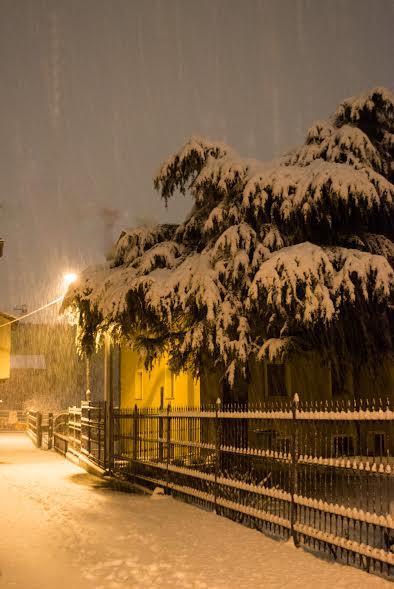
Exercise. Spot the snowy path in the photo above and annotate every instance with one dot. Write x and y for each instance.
(63, 528)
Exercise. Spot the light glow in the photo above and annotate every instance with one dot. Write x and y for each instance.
(69, 278)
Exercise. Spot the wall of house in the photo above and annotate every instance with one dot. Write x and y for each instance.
(46, 371)
(376, 384)
(305, 375)
(309, 377)
(5, 348)
(141, 387)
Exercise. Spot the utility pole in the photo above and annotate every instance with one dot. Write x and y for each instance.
(88, 396)
(109, 400)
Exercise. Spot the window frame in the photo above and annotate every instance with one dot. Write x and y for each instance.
(169, 391)
(371, 442)
(352, 445)
(139, 386)
(286, 379)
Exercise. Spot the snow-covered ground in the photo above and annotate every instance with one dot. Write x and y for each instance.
(63, 528)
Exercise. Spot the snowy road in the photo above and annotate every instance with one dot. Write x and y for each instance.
(63, 528)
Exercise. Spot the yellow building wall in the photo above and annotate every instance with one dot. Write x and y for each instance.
(141, 387)
(151, 390)
(5, 348)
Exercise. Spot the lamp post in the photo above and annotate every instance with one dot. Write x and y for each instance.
(109, 400)
(88, 396)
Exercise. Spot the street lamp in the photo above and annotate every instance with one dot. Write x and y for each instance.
(69, 278)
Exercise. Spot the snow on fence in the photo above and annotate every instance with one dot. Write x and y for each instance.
(34, 427)
(40, 428)
(81, 431)
(321, 473)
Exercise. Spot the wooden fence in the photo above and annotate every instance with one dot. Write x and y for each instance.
(321, 473)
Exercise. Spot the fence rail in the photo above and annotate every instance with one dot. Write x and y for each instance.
(319, 473)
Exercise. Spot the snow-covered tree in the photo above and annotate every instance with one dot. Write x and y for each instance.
(274, 258)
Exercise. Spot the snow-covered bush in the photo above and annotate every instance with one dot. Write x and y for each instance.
(273, 258)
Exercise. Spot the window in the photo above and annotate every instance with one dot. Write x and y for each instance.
(170, 380)
(266, 437)
(276, 380)
(376, 443)
(283, 444)
(139, 385)
(343, 446)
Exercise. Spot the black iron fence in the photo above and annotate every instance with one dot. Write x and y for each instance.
(81, 432)
(34, 427)
(40, 428)
(321, 473)
(74, 431)
(93, 433)
(60, 433)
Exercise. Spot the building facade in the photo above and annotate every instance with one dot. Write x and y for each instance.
(158, 387)
(5, 346)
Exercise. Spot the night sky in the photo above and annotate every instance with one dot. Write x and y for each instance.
(95, 94)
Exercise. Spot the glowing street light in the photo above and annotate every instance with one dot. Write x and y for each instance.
(69, 278)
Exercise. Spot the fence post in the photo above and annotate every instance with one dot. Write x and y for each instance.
(50, 430)
(111, 435)
(105, 433)
(89, 427)
(135, 440)
(39, 429)
(99, 433)
(161, 426)
(294, 470)
(109, 402)
(168, 444)
(217, 450)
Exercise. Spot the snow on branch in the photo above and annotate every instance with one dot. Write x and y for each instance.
(179, 171)
(344, 145)
(322, 191)
(273, 257)
(373, 113)
(376, 105)
(306, 284)
(374, 243)
(134, 242)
